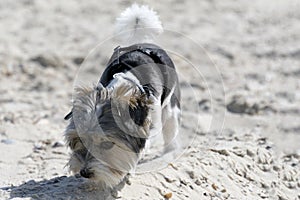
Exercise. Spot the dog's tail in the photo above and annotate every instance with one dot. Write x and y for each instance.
(138, 24)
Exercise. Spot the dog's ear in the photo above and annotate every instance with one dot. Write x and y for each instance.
(131, 95)
(128, 91)
(103, 93)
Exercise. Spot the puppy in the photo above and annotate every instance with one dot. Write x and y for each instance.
(136, 98)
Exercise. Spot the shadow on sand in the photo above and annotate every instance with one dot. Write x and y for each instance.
(62, 187)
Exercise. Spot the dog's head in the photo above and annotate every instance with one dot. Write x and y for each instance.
(108, 129)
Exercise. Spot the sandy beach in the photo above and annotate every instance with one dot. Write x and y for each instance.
(239, 69)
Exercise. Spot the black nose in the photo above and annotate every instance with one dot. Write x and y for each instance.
(86, 173)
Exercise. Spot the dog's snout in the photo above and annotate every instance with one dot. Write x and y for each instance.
(86, 173)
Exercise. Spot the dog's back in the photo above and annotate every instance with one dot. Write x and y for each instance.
(149, 64)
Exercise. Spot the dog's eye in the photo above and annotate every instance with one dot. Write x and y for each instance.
(106, 145)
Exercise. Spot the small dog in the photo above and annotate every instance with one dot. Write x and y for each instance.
(136, 98)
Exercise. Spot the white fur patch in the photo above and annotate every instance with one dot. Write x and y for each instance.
(138, 24)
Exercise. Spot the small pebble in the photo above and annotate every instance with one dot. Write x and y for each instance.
(214, 186)
(198, 182)
(169, 180)
(191, 174)
(38, 146)
(168, 195)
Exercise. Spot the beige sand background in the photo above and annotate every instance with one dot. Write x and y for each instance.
(256, 47)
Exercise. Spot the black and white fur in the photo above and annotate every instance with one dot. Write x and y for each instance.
(137, 97)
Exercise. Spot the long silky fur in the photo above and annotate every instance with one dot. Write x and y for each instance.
(84, 130)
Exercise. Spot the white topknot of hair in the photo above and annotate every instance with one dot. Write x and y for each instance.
(138, 24)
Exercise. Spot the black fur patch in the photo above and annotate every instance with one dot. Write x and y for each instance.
(139, 113)
(137, 55)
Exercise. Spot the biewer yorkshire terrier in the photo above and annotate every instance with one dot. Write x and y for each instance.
(136, 98)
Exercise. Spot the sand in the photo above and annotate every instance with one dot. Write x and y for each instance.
(238, 63)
